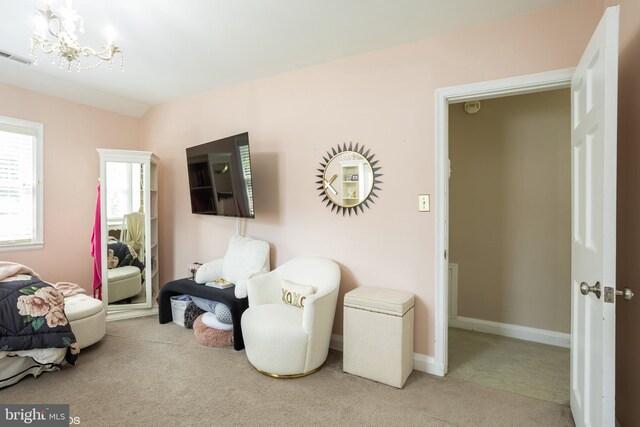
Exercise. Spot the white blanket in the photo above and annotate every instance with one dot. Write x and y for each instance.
(10, 269)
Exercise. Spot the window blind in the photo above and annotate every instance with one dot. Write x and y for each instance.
(17, 185)
(246, 172)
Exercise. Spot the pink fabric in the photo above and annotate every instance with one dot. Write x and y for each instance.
(69, 289)
(10, 269)
(96, 251)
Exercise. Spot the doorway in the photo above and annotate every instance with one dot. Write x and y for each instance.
(510, 243)
(521, 85)
(594, 89)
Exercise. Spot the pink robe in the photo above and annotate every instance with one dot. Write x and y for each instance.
(96, 251)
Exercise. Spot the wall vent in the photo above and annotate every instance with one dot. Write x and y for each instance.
(17, 58)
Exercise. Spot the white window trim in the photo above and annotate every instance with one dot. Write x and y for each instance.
(38, 195)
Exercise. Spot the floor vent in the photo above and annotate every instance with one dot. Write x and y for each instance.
(13, 57)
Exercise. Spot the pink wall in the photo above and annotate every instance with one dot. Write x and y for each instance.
(628, 312)
(384, 100)
(72, 132)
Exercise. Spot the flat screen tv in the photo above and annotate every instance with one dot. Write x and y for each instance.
(220, 177)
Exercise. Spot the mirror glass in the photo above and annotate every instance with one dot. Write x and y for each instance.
(125, 246)
(348, 179)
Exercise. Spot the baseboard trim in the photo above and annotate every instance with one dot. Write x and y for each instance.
(424, 363)
(421, 362)
(336, 342)
(131, 314)
(541, 336)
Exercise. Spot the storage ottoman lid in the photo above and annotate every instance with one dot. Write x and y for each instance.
(122, 273)
(380, 300)
(81, 306)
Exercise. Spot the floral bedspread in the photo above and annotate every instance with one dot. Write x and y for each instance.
(32, 316)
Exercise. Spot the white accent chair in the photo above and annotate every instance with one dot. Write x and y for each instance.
(245, 257)
(282, 340)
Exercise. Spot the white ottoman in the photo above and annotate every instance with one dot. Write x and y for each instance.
(124, 282)
(87, 317)
(378, 335)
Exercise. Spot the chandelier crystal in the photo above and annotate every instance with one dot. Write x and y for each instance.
(55, 34)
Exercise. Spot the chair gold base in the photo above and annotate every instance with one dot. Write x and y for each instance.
(290, 376)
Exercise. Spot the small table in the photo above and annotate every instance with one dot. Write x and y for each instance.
(227, 296)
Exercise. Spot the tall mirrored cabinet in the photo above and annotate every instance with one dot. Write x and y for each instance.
(129, 231)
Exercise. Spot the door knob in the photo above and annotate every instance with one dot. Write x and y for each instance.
(611, 293)
(626, 293)
(585, 289)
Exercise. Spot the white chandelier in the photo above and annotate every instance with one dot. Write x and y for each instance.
(55, 34)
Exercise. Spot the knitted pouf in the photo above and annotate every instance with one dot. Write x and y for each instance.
(211, 337)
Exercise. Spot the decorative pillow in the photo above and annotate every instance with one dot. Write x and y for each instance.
(205, 304)
(209, 271)
(295, 294)
(223, 314)
(244, 258)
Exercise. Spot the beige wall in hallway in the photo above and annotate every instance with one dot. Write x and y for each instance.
(510, 209)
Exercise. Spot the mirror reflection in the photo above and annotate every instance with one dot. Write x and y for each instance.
(220, 177)
(126, 233)
(348, 179)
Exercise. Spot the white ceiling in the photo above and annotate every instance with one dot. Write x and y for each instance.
(177, 48)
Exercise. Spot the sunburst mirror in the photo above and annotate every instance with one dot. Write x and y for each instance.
(348, 179)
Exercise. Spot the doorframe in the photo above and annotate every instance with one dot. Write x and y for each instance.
(520, 85)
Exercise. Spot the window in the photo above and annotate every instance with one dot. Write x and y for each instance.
(123, 190)
(246, 173)
(20, 184)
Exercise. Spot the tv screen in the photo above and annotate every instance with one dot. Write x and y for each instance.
(220, 177)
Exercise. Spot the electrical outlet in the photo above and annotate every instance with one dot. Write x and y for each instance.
(423, 203)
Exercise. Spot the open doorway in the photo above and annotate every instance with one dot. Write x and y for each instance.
(510, 243)
(594, 88)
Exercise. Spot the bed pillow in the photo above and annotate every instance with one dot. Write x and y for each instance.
(295, 294)
(210, 320)
(223, 314)
(205, 304)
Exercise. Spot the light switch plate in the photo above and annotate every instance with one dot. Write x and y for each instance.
(423, 203)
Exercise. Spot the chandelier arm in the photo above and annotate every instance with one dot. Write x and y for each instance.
(87, 51)
(46, 47)
(51, 17)
(100, 53)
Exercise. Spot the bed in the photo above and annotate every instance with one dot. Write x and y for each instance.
(42, 327)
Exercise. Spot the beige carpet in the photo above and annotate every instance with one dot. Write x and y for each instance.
(146, 374)
(531, 369)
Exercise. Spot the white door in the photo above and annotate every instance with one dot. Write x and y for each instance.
(594, 91)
